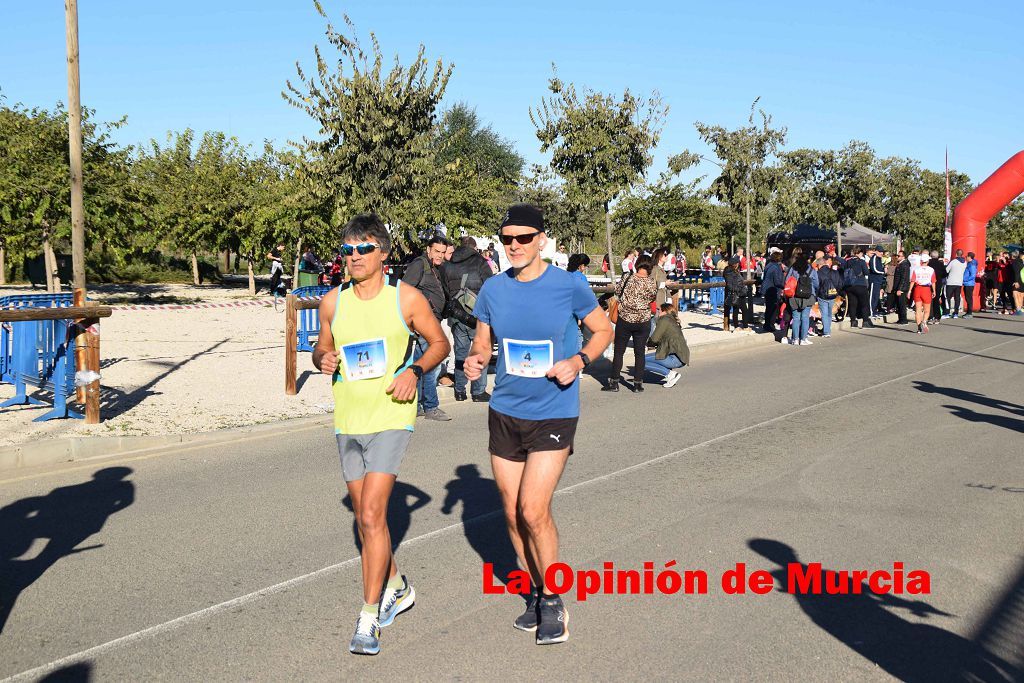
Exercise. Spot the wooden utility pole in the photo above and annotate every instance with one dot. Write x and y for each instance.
(84, 340)
(75, 145)
(291, 341)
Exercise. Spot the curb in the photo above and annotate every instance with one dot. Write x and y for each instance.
(83, 448)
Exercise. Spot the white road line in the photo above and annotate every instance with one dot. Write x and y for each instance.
(84, 655)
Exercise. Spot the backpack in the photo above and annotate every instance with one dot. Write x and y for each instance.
(804, 287)
(462, 303)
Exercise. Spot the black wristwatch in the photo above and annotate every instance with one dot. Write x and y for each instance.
(416, 370)
(585, 358)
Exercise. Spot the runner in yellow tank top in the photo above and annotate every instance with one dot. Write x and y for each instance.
(364, 345)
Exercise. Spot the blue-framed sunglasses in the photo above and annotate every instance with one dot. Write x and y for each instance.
(363, 248)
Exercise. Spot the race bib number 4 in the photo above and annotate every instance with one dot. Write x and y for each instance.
(364, 360)
(528, 358)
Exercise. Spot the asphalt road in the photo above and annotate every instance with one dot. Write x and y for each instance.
(238, 562)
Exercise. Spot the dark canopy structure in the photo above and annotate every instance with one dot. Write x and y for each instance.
(814, 237)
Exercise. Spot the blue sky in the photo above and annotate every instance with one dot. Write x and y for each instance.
(908, 77)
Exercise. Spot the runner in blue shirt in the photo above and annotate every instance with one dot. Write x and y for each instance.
(532, 311)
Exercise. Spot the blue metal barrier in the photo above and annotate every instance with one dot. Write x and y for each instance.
(43, 357)
(61, 300)
(308, 319)
(716, 296)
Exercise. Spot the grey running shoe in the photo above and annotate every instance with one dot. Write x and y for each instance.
(366, 640)
(394, 602)
(554, 621)
(436, 414)
(527, 621)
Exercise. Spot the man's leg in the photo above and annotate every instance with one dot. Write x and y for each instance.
(427, 384)
(460, 334)
(508, 476)
(969, 300)
(901, 308)
(371, 513)
(539, 478)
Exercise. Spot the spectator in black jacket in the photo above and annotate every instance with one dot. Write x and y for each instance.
(426, 273)
(855, 281)
(771, 287)
(940, 308)
(465, 273)
(901, 287)
(876, 281)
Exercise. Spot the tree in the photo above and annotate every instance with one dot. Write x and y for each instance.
(572, 222)
(600, 145)
(1007, 226)
(373, 150)
(461, 137)
(197, 196)
(473, 176)
(745, 181)
(35, 196)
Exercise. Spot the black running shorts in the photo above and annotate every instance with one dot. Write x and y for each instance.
(514, 439)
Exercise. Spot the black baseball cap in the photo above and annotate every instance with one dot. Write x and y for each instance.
(524, 214)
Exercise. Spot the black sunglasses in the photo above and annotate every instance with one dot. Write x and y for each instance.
(363, 249)
(522, 239)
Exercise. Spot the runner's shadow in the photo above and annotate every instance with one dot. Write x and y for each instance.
(73, 673)
(868, 625)
(400, 511)
(972, 396)
(64, 518)
(1011, 423)
(483, 521)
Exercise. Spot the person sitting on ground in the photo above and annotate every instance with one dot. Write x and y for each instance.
(672, 351)
(803, 297)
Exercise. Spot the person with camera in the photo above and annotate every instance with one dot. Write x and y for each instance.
(466, 273)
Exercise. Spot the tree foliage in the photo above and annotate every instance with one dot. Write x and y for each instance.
(745, 178)
(600, 145)
(372, 153)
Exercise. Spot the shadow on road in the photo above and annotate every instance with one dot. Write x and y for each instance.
(868, 624)
(400, 510)
(64, 518)
(972, 396)
(482, 519)
(73, 673)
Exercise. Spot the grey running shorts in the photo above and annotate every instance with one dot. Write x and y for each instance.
(377, 452)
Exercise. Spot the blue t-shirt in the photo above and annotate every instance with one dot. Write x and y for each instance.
(540, 310)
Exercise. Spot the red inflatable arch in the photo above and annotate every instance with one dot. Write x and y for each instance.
(973, 213)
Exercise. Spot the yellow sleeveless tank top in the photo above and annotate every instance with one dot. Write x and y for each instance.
(374, 345)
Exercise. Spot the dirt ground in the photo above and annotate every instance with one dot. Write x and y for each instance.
(187, 370)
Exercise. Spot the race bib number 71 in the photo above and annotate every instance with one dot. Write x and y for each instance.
(364, 360)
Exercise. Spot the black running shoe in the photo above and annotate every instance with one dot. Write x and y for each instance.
(481, 398)
(527, 621)
(554, 621)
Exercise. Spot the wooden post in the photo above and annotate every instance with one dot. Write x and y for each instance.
(839, 239)
(291, 342)
(75, 145)
(78, 299)
(92, 355)
(3, 263)
(298, 260)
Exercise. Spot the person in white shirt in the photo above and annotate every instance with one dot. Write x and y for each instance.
(955, 282)
(561, 258)
(923, 280)
(629, 261)
(915, 258)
